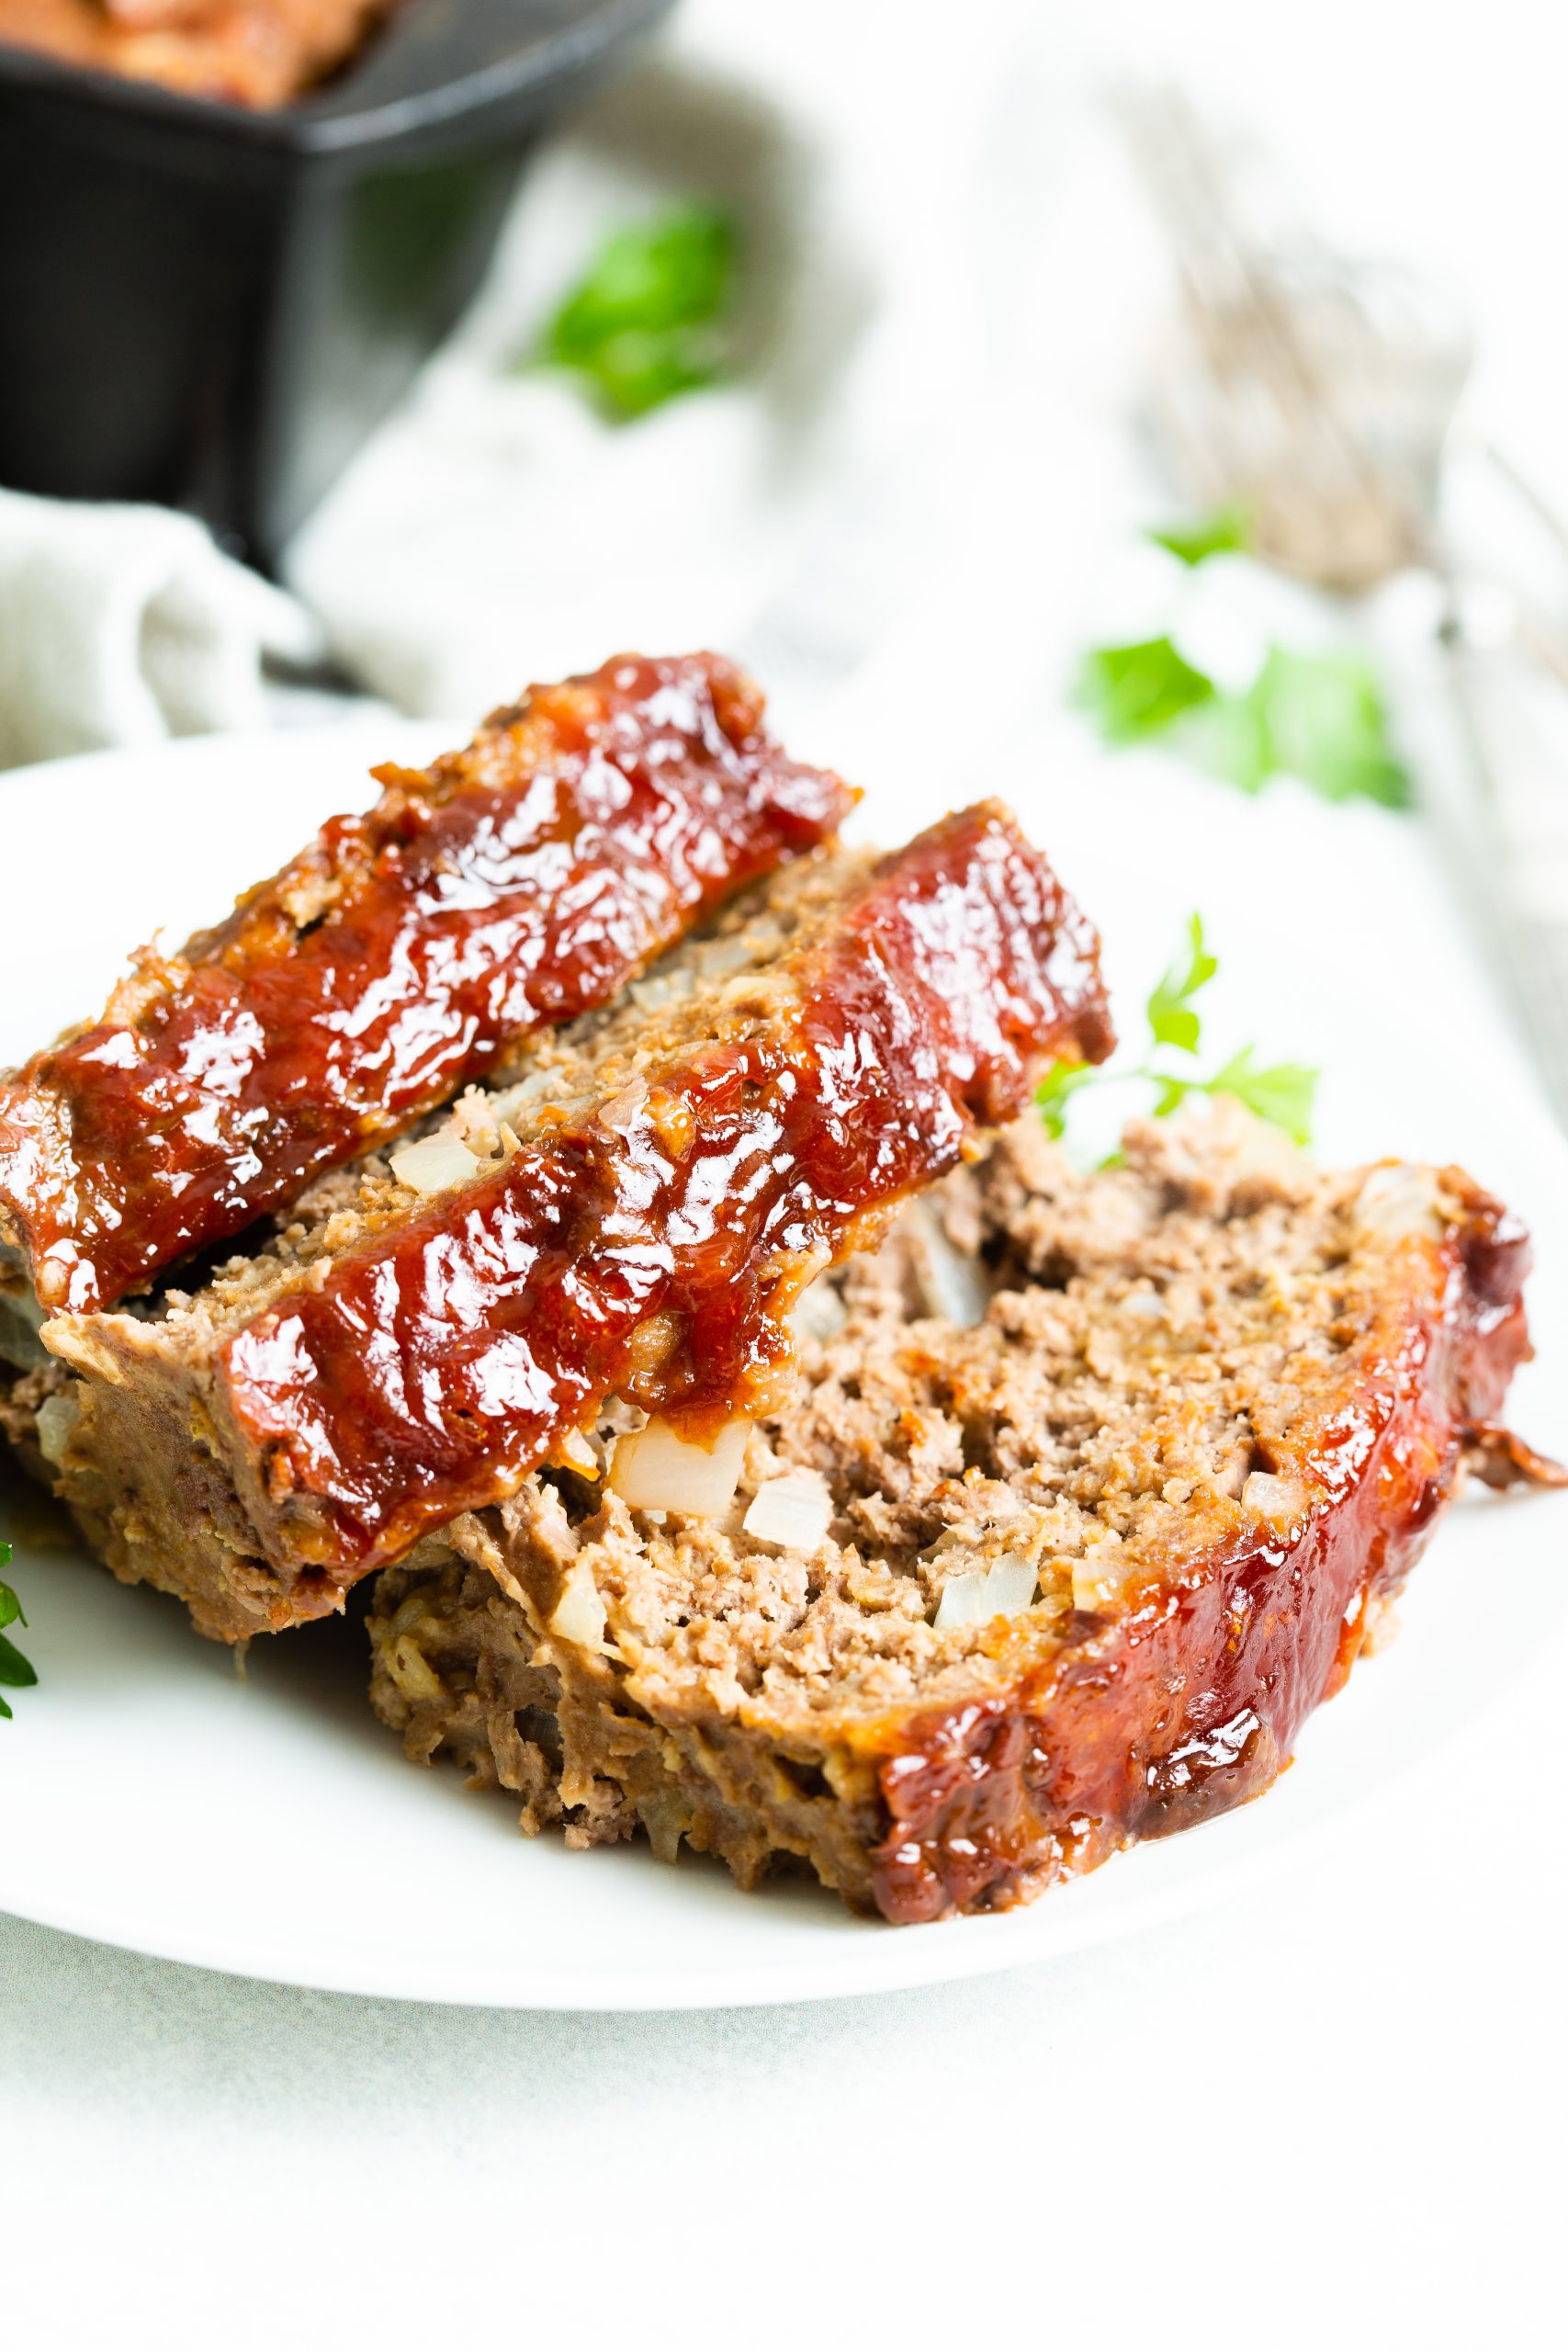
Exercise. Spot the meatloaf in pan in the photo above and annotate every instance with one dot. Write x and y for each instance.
(635, 1217)
(251, 52)
(508, 887)
(1094, 1488)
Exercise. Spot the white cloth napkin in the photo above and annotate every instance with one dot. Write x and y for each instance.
(499, 529)
(124, 623)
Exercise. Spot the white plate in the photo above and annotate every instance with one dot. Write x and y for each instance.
(271, 1828)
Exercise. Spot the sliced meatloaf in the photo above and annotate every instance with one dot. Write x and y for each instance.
(508, 887)
(249, 52)
(636, 1216)
(1094, 1486)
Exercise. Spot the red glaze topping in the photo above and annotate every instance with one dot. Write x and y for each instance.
(510, 885)
(659, 1258)
(1191, 1701)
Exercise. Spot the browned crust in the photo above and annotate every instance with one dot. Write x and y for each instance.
(509, 888)
(1105, 1731)
(581, 1755)
(362, 1409)
(172, 1492)
(143, 1475)
(1192, 1701)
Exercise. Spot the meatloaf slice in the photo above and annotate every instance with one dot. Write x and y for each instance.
(250, 52)
(637, 1215)
(505, 889)
(1095, 1486)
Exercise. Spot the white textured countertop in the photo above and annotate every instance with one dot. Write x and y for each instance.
(1328, 2114)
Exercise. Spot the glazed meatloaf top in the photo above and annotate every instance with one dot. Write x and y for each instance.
(507, 887)
(1087, 1490)
(251, 52)
(637, 1215)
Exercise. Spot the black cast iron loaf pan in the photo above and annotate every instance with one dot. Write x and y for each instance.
(211, 308)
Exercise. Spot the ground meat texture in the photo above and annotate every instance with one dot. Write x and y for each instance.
(1209, 1410)
(639, 1213)
(250, 52)
(508, 887)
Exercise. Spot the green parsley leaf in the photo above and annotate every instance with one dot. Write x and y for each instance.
(1138, 690)
(15, 1671)
(1228, 531)
(15, 1674)
(1326, 724)
(642, 325)
(637, 373)
(1316, 716)
(1171, 1092)
(1173, 1021)
(1282, 1094)
(1227, 736)
(1055, 1090)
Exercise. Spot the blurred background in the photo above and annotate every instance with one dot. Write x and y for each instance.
(1153, 376)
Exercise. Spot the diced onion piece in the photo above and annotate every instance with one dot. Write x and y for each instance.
(950, 1285)
(1097, 1576)
(793, 1510)
(576, 1455)
(717, 957)
(963, 1602)
(656, 1470)
(412, 1612)
(1398, 1201)
(1280, 1501)
(660, 989)
(434, 1165)
(819, 1312)
(411, 1669)
(1010, 1586)
(627, 1110)
(580, 1612)
(501, 1111)
(1000, 1590)
(57, 1418)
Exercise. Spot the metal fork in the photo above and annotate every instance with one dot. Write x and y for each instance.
(1318, 394)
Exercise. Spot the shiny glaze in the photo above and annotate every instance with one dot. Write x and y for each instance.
(516, 884)
(432, 1368)
(1191, 1701)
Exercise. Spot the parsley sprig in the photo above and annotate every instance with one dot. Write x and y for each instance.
(15, 1674)
(1279, 1092)
(645, 324)
(1316, 716)
(1228, 531)
(1173, 1021)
